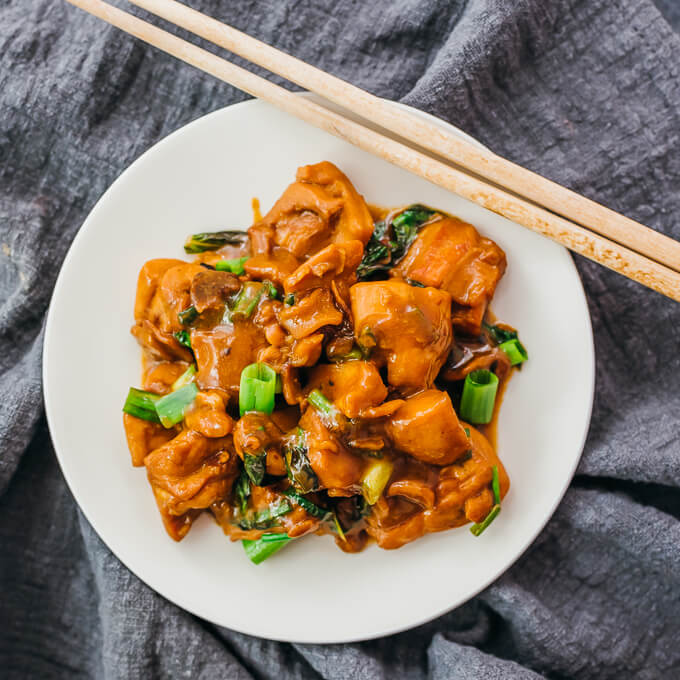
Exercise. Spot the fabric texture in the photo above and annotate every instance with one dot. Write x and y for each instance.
(584, 91)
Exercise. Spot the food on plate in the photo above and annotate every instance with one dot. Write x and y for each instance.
(333, 370)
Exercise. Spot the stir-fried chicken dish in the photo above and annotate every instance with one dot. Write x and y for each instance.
(331, 370)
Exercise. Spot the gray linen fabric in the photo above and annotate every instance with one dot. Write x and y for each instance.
(586, 92)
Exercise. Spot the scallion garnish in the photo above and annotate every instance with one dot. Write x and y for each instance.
(515, 351)
(234, 266)
(478, 528)
(258, 551)
(141, 404)
(330, 415)
(188, 315)
(496, 486)
(338, 527)
(199, 243)
(171, 407)
(270, 290)
(479, 396)
(289, 299)
(375, 478)
(467, 432)
(187, 377)
(183, 338)
(246, 300)
(242, 491)
(257, 389)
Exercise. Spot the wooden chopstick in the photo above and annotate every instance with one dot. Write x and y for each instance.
(576, 238)
(425, 134)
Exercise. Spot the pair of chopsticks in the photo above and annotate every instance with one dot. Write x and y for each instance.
(580, 224)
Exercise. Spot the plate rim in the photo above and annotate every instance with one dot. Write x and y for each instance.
(48, 398)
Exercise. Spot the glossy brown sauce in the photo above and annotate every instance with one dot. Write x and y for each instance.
(387, 352)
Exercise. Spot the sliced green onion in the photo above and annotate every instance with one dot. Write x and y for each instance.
(171, 407)
(479, 395)
(246, 300)
(270, 290)
(255, 467)
(330, 414)
(467, 432)
(375, 478)
(234, 266)
(515, 351)
(289, 299)
(183, 338)
(141, 404)
(199, 243)
(478, 528)
(184, 379)
(279, 385)
(257, 389)
(312, 508)
(266, 546)
(188, 315)
(354, 354)
(496, 485)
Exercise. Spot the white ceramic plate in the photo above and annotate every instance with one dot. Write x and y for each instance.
(202, 178)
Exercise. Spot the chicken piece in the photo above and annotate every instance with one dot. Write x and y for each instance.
(307, 351)
(158, 376)
(427, 428)
(254, 433)
(222, 353)
(210, 289)
(451, 255)
(321, 207)
(275, 266)
(352, 385)
(411, 328)
(190, 472)
(144, 436)
(462, 492)
(310, 313)
(338, 260)
(336, 467)
(159, 345)
(172, 296)
(150, 276)
(208, 415)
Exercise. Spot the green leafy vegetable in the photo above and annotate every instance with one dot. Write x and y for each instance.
(183, 338)
(312, 508)
(298, 467)
(142, 405)
(171, 407)
(267, 518)
(242, 491)
(255, 467)
(499, 334)
(188, 315)
(479, 396)
(199, 243)
(234, 266)
(258, 551)
(391, 240)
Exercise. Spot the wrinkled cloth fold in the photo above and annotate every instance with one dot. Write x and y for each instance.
(586, 92)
